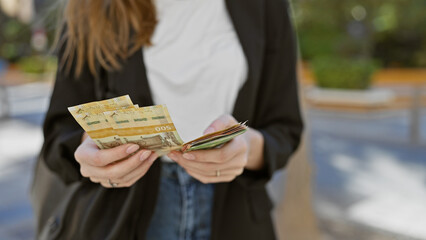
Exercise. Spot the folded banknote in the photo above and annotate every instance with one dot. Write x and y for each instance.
(117, 121)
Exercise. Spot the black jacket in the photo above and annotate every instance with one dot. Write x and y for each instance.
(79, 209)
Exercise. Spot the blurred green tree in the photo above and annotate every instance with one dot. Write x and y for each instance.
(14, 38)
(391, 31)
(26, 44)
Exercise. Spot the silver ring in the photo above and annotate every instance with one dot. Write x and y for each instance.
(113, 185)
(217, 173)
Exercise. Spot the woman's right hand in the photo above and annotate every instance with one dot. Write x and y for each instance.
(121, 166)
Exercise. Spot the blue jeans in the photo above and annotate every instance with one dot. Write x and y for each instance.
(184, 207)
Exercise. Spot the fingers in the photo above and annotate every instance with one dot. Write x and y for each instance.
(221, 155)
(106, 184)
(119, 169)
(90, 154)
(131, 178)
(220, 123)
(115, 170)
(95, 180)
(235, 166)
(122, 165)
(216, 172)
(211, 179)
(204, 165)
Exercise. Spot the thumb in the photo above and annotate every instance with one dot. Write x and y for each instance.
(220, 123)
(209, 130)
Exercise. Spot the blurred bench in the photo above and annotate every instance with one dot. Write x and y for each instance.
(414, 101)
(416, 79)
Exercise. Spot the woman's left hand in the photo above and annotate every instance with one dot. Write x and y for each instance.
(216, 165)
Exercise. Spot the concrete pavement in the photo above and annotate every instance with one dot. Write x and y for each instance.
(367, 174)
(20, 141)
(380, 182)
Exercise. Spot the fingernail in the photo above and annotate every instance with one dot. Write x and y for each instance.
(188, 156)
(132, 148)
(145, 155)
(209, 130)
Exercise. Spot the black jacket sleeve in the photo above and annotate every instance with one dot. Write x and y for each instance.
(278, 114)
(62, 134)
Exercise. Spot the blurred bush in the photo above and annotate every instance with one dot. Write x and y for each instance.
(14, 39)
(341, 73)
(391, 31)
(37, 64)
(24, 45)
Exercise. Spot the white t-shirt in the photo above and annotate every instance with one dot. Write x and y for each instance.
(196, 65)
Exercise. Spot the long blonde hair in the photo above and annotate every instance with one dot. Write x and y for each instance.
(104, 32)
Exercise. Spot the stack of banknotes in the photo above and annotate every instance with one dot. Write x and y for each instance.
(117, 121)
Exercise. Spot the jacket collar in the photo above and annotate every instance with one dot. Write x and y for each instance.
(249, 21)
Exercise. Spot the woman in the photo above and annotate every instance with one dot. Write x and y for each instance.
(213, 63)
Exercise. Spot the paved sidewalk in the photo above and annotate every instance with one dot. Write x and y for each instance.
(370, 182)
(368, 174)
(20, 141)
(17, 158)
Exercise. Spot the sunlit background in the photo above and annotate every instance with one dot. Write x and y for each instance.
(361, 170)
